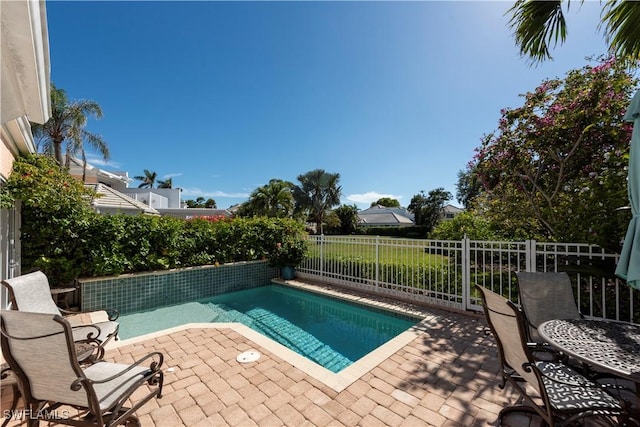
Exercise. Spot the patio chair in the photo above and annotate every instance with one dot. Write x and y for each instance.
(31, 292)
(545, 296)
(39, 348)
(557, 393)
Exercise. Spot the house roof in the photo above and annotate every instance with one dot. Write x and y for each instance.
(383, 218)
(115, 200)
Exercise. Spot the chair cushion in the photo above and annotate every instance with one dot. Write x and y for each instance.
(110, 392)
(568, 390)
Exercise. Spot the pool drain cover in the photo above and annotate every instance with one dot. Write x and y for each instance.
(248, 356)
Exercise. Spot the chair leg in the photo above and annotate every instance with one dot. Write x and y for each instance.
(15, 390)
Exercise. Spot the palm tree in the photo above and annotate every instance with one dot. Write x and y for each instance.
(317, 193)
(273, 200)
(537, 24)
(67, 123)
(148, 179)
(168, 183)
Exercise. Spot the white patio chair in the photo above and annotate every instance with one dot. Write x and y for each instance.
(40, 350)
(31, 292)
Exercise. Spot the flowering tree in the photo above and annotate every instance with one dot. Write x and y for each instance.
(556, 166)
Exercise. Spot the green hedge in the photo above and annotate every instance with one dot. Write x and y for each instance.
(62, 236)
(115, 244)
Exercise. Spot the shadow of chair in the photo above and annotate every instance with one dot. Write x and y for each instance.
(557, 393)
(31, 293)
(40, 349)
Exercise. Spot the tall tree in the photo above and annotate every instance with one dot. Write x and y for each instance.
(148, 179)
(428, 209)
(555, 166)
(317, 193)
(67, 124)
(538, 25)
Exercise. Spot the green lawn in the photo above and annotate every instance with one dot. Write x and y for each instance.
(386, 254)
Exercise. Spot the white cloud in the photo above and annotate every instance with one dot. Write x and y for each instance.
(196, 192)
(96, 160)
(369, 197)
(171, 175)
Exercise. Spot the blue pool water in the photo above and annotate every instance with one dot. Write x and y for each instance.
(328, 331)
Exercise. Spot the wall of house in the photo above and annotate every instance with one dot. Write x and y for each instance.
(25, 96)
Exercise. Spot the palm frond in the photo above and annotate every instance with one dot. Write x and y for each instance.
(536, 25)
(621, 20)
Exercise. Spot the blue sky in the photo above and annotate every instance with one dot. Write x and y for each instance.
(224, 96)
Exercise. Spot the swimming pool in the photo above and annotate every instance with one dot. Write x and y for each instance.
(331, 332)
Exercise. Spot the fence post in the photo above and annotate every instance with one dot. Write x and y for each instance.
(530, 255)
(322, 255)
(377, 261)
(466, 271)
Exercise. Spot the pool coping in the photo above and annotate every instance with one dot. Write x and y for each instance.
(336, 381)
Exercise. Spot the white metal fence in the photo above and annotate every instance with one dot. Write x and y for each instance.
(444, 272)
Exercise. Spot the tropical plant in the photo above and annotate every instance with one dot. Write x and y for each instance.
(348, 215)
(274, 200)
(168, 183)
(539, 24)
(148, 179)
(55, 213)
(67, 124)
(317, 193)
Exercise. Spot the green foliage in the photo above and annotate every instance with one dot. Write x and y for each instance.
(555, 168)
(348, 216)
(427, 210)
(272, 200)
(65, 238)
(291, 246)
(318, 192)
(68, 124)
(387, 202)
(539, 25)
(200, 202)
(467, 224)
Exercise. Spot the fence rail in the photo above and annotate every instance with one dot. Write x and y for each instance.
(443, 272)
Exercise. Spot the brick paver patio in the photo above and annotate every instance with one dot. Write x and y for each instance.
(446, 376)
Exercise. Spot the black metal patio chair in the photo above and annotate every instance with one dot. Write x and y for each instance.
(557, 393)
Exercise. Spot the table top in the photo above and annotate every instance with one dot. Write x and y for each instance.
(609, 345)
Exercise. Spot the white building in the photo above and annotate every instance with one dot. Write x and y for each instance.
(25, 97)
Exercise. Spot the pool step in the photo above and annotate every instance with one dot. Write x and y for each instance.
(297, 339)
(284, 332)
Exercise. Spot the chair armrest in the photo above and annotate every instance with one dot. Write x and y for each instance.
(93, 332)
(154, 367)
(89, 351)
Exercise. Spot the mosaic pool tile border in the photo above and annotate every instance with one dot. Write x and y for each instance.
(143, 291)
